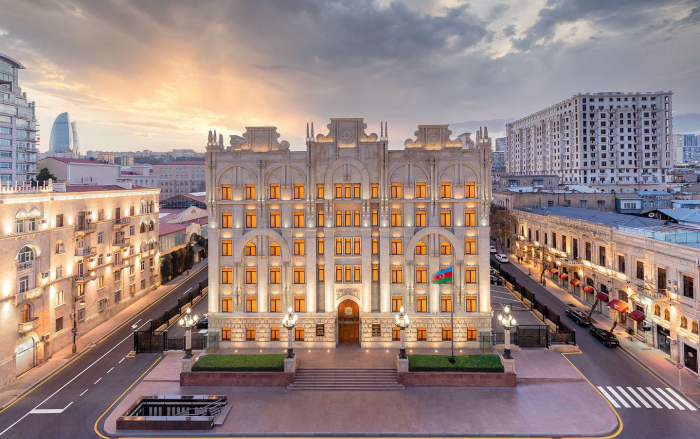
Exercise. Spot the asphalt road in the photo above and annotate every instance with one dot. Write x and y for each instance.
(69, 403)
(612, 368)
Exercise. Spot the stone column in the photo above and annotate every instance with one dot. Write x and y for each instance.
(384, 270)
(310, 247)
(213, 270)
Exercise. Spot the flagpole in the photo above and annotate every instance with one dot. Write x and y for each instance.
(452, 319)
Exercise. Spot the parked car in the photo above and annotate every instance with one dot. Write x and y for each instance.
(202, 323)
(501, 258)
(495, 280)
(494, 271)
(492, 249)
(605, 337)
(580, 318)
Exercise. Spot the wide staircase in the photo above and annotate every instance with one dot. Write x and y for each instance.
(346, 379)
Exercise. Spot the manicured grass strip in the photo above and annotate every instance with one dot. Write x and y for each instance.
(240, 363)
(463, 363)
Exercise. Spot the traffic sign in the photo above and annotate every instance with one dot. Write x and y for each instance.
(679, 366)
(74, 331)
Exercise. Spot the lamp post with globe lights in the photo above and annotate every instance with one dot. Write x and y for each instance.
(290, 322)
(402, 322)
(508, 323)
(188, 321)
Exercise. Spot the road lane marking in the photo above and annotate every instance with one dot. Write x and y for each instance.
(110, 369)
(634, 392)
(69, 404)
(98, 380)
(619, 398)
(626, 395)
(50, 411)
(608, 397)
(663, 401)
(188, 290)
(673, 401)
(120, 361)
(685, 403)
(84, 392)
(653, 401)
(136, 323)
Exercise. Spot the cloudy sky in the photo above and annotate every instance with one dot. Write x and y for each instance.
(158, 74)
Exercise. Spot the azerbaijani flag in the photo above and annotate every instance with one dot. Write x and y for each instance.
(443, 276)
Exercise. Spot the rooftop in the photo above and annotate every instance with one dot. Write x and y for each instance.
(182, 162)
(73, 160)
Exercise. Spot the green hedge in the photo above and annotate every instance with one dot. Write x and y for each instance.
(240, 363)
(463, 363)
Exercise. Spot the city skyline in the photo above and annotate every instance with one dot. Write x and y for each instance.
(158, 78)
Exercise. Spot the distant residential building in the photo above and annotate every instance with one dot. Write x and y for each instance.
(64, 135)
(532, 182)
(597, 139)
(655, 200)
(180, 177)
(602, 201)
(81, 171)
(690, 140)
(18, 130)
(140, 175)
(498, 164)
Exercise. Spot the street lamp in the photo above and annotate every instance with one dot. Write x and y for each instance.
(76, 301)
(508, 323)
(188, 321)
(402, 323)
(290, 322)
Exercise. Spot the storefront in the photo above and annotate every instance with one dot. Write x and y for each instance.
(575, 287)
(690, 358)
(663, 339)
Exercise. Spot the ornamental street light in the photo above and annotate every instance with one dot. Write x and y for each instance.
(508, 323)
(290, 322)
(77, 301)
(402, 322)
(188, 321)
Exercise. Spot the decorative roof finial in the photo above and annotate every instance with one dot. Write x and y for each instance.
(312, 130)
(221, 140)
(210, 138)
(307, 131)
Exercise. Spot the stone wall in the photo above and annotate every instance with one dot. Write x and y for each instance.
(236, 379)
(456, 379)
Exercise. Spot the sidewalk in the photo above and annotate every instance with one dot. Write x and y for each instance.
(59, 359)
(655, 360)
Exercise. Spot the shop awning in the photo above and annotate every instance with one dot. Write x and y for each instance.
(637, 316)
(603, 296)
(574, 282)
(588, 289)
(554, 271)
(618, 305)
(564, 276)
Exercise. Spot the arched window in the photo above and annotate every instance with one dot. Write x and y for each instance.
(684, 322)
(142, 207)
(694, 328)
(667, 315)
(421, 249)
(151, 226)
(26, 314)
(152, 207)
(142, 228)
(275, 249)
(250, 249)
(445, 248)
(26, 254)
(657, 310)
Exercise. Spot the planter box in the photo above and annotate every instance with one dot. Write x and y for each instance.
(236, 379)
(456, 379)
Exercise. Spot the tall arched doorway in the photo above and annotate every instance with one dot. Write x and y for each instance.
(348, 322)
(25, 352)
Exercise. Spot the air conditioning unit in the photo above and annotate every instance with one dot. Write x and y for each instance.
(44, 274)
(45, 337)
(88, 213)
(44, 221)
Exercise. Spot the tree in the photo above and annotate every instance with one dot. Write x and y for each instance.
(166, 267)
(44, 175)
(502, 224)
(205, 245)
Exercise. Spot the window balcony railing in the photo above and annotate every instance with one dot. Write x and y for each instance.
(85, 252)
(29, 326)
(121, 242)
(83, 278)
(28, 265)
(86, 227)
(121, 222)
(23, 296)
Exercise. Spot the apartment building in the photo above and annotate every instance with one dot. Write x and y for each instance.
(74, 255)
(347, 232)
(597, 139)
(179, 177)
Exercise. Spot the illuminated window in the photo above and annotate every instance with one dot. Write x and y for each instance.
(319, 191)
(396, 190)
(348, 246)
(348, 191)
(396, 246)
(226, 220)
(226, 247)
(251, 304)
(470, 246)
(375, 218)
(339, 218)
(298, 191)
(338, 273)
(470, 190)
(356, 218)
(299, 247)
(375, 246)
(226, 334)
(299, 304)
(338, 246)
(274, 334)
(357, 247)
(320, 219)
(470, 275)
(420, 218)
(274, 191)
(446, 218)
(396, 220)
(471, 334)
(375, 273)
(299, 219)
(395, 334)
(348, 273)
(684, 322)
(226, 304)
(422, 334)
(667, 315)
(348, 218)
(225, 191)
(251, 220)
(356, 191)
(421, 275)
(250, 192)
(275, 218)
(396, 303)
(445, 190)
(421, 190)
(445, 248)
(275, 275)
(250, 249)
(320, 246)
(694, 328)
(298, 334)
(321, 273)
(338, 191)
(299, 275)
(275, 249)
(251, 275)
(469, 218)
(357, 273)
(396, 275)
(446, 304)
(446, 333)
(375, 190)
(421, 304)
(471, 304)
(226, 275)
(421, 249)
(250, 333)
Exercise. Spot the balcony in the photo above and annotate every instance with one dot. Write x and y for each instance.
(84, 278)
(653, 294)
(119, 265)
(85, 252)
(121, 222)
(121, 242)
(28, 265)
(85, 228)
(34, 293)
(31, 325)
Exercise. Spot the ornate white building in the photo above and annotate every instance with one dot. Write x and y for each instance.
(346, 232)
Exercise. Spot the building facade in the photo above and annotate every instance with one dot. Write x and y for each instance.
(76, 171)
(635, 260)
(597, 139)
(72, 252)
(179, 177)
(18, 131)
(346, 233)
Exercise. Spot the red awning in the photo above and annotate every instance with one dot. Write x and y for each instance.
(554, 271)
(588, 289)
(603, 296)
(636, 315)
(618, 305)
(564, 276)
(574, 282)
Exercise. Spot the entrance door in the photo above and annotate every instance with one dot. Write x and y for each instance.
(348, 322)
(690, 359)
(24, 359)
(664, 342)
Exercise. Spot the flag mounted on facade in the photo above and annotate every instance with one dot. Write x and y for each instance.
(443, 276)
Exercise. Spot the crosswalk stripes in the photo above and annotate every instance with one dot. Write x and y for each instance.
(636, 397)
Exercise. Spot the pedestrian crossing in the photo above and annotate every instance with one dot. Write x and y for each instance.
(645, 397)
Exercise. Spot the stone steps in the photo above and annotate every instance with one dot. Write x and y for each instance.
(346, 380)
